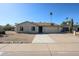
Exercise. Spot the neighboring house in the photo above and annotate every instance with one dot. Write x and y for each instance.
(66, 28)
(31, 27)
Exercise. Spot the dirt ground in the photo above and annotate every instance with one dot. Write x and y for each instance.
(12, 36)
(65, 38)
(66, 44)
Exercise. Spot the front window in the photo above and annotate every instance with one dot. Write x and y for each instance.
(21, 28)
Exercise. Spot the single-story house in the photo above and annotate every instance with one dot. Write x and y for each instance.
(32, 27)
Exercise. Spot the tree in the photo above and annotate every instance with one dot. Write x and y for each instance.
(8, 27)
(50, 13)
(69, 23)
(1, 30)
(65, 23)
(51, 17)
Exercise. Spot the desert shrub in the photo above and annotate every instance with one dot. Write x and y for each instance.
(8, 27)
(2, 32)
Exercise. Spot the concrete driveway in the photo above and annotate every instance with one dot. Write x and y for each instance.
(42, 38)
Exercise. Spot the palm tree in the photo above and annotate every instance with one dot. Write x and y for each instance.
(51, 17)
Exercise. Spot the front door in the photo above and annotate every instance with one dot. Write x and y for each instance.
(40, 29)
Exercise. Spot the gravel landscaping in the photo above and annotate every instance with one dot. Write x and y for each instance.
(65, 38)
(13, 37)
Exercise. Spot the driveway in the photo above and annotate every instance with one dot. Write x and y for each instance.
(42, 38)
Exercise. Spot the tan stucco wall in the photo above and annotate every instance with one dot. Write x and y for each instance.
(51, 29)
(27, 28)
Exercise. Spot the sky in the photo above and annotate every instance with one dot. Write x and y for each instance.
(11, 13)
